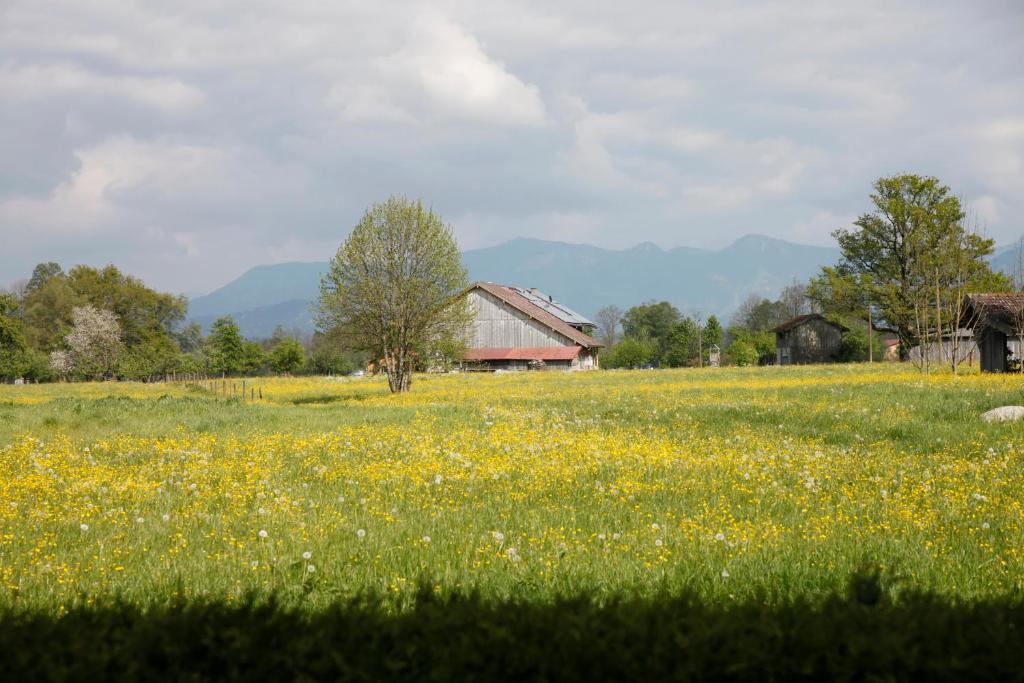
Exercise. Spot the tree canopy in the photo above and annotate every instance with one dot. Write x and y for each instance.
(911, 261)
(395, 288)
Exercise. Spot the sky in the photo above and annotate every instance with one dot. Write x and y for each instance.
(186, 142)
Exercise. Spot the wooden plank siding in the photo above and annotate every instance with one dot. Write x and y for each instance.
(499, 325)
(813, 340)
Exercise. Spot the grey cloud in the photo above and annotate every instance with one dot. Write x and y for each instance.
(189, 142)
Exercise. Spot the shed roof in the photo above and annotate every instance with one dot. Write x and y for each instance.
(801, 319)
(513, 298)
(1000, 308)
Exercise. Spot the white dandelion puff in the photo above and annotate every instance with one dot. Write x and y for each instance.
(83, 527)
(311, 568)
(263, 533)
(360, 533)
(307, 555)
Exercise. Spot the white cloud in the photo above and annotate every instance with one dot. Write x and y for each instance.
(21, 84)
(441, 70)
(222, 134)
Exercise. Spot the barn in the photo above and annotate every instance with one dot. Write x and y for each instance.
(810, 338)
(519, 329)
(998, 321)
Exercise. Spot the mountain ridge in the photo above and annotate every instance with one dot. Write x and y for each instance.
(584, 276)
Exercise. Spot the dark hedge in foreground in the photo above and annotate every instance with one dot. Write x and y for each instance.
(860, 636)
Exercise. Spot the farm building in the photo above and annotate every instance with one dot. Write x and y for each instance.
(998, 321)
(808, 339)
(962, 346)
(519, 329)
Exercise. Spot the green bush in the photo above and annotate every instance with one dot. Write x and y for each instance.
(859, 635)
(628, 353)
(743, 353)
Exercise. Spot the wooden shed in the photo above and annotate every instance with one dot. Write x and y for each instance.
(998, 322)
(810, 338)
(518, 329)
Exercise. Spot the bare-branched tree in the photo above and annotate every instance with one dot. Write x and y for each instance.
(607, 320)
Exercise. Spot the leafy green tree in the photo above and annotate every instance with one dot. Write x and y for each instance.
(189, 338)
(15, 359)
(712, 332)
(628, 353)
(287, 356)
(909, 258)
(328, 355)
(681, 348)
(743, 353)
(41, 274)
(651, 322)
(143, 312)
(153, 358)
(396, 287)
(762, 341)
(226, 346)
(47, 313)
(254, 359)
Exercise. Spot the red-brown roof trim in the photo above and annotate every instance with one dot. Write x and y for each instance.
(538, 353)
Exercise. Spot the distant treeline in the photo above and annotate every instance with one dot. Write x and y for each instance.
(99, 323)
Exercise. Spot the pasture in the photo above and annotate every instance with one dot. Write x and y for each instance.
(730, 485)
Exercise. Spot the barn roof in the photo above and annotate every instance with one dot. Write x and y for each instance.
(1001, 306)
(1000, 309)
(515, 299)
(801, 319)
(538, 353)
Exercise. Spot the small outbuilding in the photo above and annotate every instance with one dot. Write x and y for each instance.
(998, 322)
(810, 338)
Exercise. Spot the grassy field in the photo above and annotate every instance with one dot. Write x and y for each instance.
(728, 484)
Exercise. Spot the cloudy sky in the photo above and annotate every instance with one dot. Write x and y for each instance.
(188, 141)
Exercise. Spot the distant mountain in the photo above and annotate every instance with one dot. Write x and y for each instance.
(261, 287)
(694, 280)
(582, 276)
(1007, 259)
(259, 323)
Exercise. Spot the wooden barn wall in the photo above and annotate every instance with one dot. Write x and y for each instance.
(815, 341)
(497, 325)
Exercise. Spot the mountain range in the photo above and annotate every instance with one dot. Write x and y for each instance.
(584, 277)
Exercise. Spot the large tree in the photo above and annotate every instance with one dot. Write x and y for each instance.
(910, 258)
(396, 288)
(651, 322)
(227, 347)
(14, 351)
